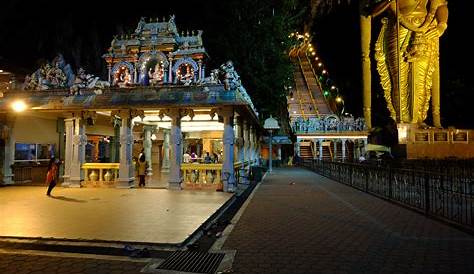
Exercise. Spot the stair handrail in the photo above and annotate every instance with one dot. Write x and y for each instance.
(307, 85)
(318, 82)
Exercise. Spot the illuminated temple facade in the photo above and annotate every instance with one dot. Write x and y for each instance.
(197, 129)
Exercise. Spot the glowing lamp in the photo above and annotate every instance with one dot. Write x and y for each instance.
(18, 106)
(338, 99)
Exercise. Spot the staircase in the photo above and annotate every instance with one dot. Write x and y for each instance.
(307, 99)
(306, 151)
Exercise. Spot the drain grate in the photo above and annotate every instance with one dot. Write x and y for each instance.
(194, 262)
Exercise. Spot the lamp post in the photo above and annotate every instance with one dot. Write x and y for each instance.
(270, 125)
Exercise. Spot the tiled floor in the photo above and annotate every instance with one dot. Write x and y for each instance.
(135, 215)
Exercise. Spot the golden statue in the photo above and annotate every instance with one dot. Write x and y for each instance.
(407, 55)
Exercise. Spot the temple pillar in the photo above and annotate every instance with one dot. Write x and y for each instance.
(165, 167)
(176, 154)
(364, 148)
(109, 69)
(69, 146)
(228, 176)
(199, 70)
(147, 145)
(126, 169)
(78, 157)
(251, 143)
(115, 144)
(321, 141)
(8, 150)
(238, 148)
(170, 69)
(343, 149)
(246, 148)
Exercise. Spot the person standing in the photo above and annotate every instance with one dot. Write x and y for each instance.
(142, 167)
(52, 174)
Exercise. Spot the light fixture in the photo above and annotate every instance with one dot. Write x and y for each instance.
(338, 99)
(153, 137)
(324, 71)
(320, 64)
(18, 106)
(333, 87)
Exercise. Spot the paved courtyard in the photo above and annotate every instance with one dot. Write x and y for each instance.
(300, 222)
(131, 215)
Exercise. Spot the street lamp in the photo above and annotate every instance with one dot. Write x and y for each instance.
(270, 125)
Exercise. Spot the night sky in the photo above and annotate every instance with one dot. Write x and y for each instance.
(32, 32)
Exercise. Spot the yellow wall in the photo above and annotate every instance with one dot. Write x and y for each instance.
(105, 130)
(35, 129)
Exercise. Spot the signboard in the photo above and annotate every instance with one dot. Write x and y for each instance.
(422, 137)
(441, 137)
(460, 136)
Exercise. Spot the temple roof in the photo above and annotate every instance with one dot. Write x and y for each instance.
(122, 98)
(157, 34)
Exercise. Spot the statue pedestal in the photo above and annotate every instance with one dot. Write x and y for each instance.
(434, 143)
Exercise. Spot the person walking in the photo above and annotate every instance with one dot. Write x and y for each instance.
(52, 174)
(142, 166)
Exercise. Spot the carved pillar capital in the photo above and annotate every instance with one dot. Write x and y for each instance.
(128, 113)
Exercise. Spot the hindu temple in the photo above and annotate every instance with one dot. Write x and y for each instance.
(197, 127)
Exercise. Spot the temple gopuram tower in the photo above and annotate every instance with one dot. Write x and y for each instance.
(156, 54)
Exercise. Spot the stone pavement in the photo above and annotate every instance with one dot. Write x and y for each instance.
(11, 263)
(300, 222)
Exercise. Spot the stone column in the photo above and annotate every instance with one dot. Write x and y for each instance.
(240, 140)
(199, 70)
(364, 148)
(126, 168)
(78, 157)
(246, 135)
(176, 155)
(228, 140)
(251, 143)
(69, 130)
(170, 70)
(147, 144)
(335, 149)
(9, 150)
(115, 145)
(343, 149)
(321, 141)
(315, 148)
(165, 167)
(109, 68)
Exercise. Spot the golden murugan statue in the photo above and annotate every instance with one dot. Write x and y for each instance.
(407, 55)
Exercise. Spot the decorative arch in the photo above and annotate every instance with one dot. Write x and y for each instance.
(151, 55)
(185, 60)
(118, 66)
(148, 61)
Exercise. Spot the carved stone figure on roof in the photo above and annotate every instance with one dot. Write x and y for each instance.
(89, 81)
(60, 62)
(172, 25)
(140, 26)
(213, 78)
(199, 38)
